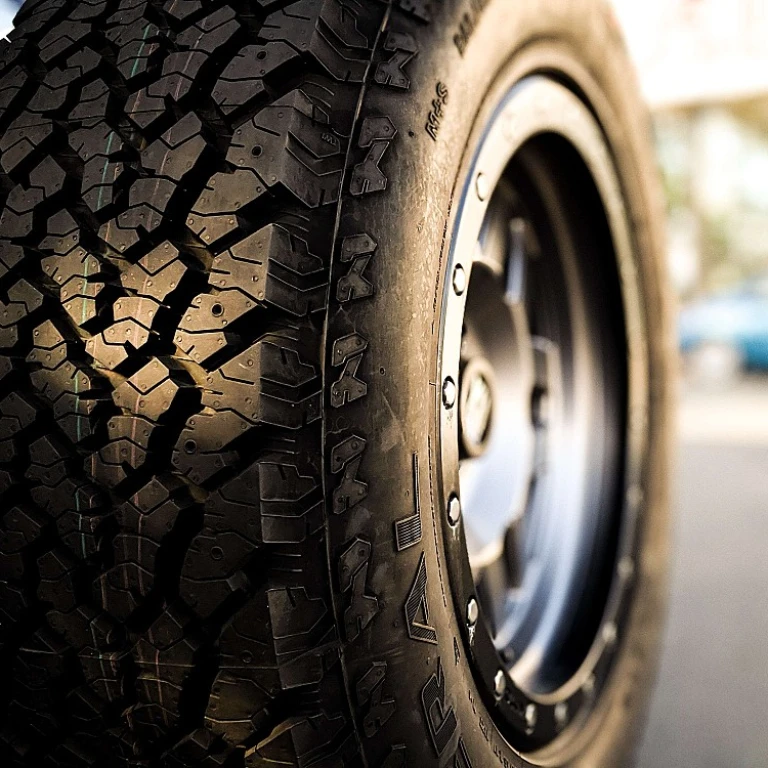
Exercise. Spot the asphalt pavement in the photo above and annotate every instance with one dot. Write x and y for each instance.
(710, 708)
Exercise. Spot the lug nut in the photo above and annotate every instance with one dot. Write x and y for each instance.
(459, 280)
(454, 510)
(481, 186)
(541, 409)
(531, 716)
(449, 393)
(561, 715)
(634, 496)
(500, 683)
(609, 633)
(626, 568)
(473, 612)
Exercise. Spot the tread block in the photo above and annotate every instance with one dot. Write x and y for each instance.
(144, 521)
(17, 217)
(76, 271)
(92, 105)
(156, 275)
(23, 300)
(348, 352)
(299, 742)
(286, 517)
(273, 266)
(12, 83)
(73, 391)
(103, 672)
(214, 215)
(57, 584)
(181, 10)
(165, 658)
(195, 45)
(49, 461)
(268, 502)
(89, 9)
(289, 143)
(421, 9)
(304, 636)
(137, 40)
(11, 256)
(322, 30)
(206, 328)
(16, 414)
(62, 39)
(177, 151)
(362, 607)
(85, 627)
(392, 72)
(242, 80)
(148, 200)
(200, 452)
(238, 387)
(370, 690)
(151, 391)
(236, 706)
(109, 350)
(346, 457)
(396, 758)
(357, 251)
(85, 708)
(376, 134)
(53, 91)
(96, 146)
(211, 569)
(199, 748)
(24, 135)
(77, 507)
(127, 449)
(20, 527)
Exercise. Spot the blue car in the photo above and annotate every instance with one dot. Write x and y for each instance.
(727, 332)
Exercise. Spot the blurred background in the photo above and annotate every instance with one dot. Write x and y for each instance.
(703, 69)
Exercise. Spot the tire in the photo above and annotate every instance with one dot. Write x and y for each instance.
(221, 256)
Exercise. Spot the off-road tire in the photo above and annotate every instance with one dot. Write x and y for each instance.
(221, 235)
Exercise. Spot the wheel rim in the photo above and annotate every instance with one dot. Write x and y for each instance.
(540, 450)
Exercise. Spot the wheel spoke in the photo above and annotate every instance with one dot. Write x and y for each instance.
(517, 262)
(493, 245)
(491, 252)
(502, 570)
(546, 363)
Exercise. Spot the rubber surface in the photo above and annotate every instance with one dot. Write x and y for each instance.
(219, 543)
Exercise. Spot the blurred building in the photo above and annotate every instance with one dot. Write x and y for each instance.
(703, 67)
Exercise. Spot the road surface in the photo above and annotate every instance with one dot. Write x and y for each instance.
(710, 708)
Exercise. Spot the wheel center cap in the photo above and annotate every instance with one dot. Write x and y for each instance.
(476, 405)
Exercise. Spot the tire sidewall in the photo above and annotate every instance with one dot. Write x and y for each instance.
(461, 54)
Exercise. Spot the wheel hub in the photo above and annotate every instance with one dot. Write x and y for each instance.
(476, 405)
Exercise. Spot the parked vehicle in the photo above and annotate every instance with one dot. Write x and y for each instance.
(726, 333)
(334, 409)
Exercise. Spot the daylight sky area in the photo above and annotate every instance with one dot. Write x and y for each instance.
(7, 11)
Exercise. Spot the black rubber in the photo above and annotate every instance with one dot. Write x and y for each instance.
(219, 250)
